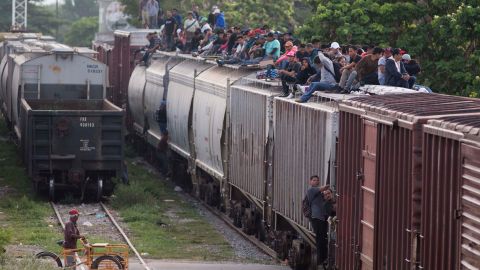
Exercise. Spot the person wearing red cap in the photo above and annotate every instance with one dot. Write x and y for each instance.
(71, 234)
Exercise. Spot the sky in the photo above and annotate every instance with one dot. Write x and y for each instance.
(48, 2)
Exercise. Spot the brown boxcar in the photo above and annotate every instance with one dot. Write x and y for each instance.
(126, 43)
(379, 176)
(450, 228)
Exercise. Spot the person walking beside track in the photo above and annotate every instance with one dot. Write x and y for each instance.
(320, 199)
(71, 235)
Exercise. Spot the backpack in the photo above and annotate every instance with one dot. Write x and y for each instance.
(336, 69)
(307, 205)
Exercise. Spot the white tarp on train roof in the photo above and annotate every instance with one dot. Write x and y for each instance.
(179, 104)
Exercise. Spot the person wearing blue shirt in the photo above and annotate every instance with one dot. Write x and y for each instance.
(219, 19)
(272, 47)
(178, 18)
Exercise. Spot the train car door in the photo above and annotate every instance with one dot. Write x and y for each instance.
(469, 212)
(367, 194)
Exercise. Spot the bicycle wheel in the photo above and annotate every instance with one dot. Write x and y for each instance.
(49, 258)
(106, 262)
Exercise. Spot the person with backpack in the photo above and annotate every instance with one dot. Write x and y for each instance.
(320, 201)
(327, 78)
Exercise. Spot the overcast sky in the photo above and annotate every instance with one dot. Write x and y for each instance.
(47, 2)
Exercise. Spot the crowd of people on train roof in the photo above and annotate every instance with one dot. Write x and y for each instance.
(305, 67)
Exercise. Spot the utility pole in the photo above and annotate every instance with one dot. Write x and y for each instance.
(19, 15)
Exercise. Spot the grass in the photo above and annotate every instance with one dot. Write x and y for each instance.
(9, 263)
(159, 222)
(23, 215)
(162, 224)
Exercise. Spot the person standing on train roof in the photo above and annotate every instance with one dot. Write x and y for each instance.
(320, 198)
(71, 235)
(169, 30)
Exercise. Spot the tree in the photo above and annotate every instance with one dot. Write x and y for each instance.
(82, 32)
(255, 13)
(442, 34)
(40, 18)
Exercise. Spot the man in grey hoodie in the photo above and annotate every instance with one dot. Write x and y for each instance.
(327, 78)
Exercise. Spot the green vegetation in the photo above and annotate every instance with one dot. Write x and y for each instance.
(442, 35)
(23, 216)
(162, 224)
(9, 263)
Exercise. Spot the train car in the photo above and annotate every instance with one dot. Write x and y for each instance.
(53, 98)
(72, 144)
(147, 89)
(13, 43)
(450, 227)
(57, 72)
(380, 177)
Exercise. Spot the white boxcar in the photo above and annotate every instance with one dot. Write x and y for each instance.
(209, 104)
(251, 117)
(305, 138)
(179, 104)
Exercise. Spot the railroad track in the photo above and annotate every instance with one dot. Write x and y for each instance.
(104, 213)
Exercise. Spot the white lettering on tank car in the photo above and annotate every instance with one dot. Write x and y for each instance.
(85, 147)
(85, 124)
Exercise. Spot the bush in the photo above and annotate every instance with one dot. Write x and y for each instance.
(134, 194)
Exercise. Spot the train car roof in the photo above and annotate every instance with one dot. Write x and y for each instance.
(411, 107)
(456, 127)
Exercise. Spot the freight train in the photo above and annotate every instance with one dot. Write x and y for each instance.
(53, 99)
(405, 167)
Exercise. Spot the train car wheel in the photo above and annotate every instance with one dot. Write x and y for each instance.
(99, 194)
(51, 189)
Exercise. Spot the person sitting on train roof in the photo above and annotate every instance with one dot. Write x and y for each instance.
(395, 72)
(272, 47)
(348, 69)
(196, 39)
(282, 61)
(239, 53)
(327, 81)
(387, 53)
(301, 52)
(412, 67)
(365, 72)
(311, 52)
(154, 45)
(289, 74)
(306, 72)
(334, 50)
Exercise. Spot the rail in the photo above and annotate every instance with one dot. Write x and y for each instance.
(115, 223)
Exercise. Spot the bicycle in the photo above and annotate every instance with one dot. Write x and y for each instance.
(101, 256)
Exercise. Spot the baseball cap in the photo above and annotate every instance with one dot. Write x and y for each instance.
(73, 212)
(335, 45)
(406, 57)
(291, 53)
